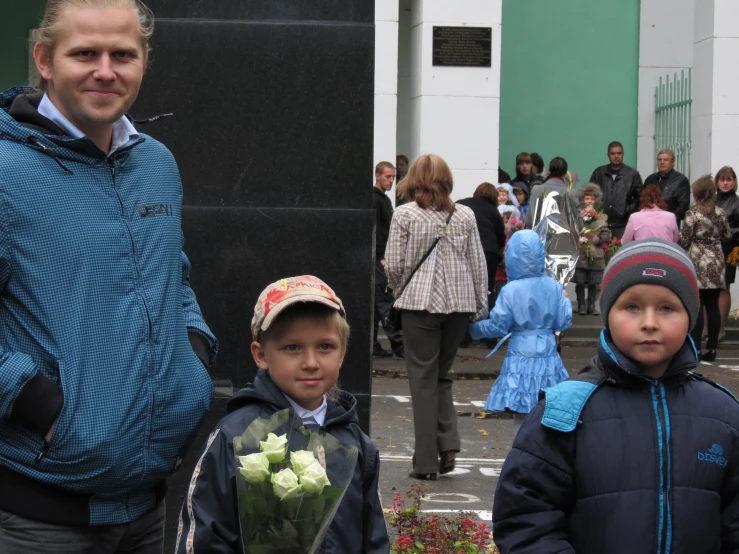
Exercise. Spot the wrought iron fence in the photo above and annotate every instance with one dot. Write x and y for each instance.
(672, 126)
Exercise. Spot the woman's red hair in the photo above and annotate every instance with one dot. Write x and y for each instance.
(429, 184)
(652, 196)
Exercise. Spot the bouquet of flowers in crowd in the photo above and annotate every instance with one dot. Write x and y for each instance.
(593, 222)
(515, 224)
(610, 249)
(419, 532)
(290, 484)
(589, 216)
(733, 257)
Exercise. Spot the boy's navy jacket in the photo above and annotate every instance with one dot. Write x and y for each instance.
(95, 312)
(614, 462)
(209, 520)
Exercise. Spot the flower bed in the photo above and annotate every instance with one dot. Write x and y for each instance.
(425, 533)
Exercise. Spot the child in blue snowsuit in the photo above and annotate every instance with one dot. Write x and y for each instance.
(531, 307)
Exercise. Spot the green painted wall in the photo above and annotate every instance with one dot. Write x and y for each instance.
(18, 17)
(569, 80)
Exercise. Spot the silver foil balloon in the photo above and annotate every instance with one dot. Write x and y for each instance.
(556, 223)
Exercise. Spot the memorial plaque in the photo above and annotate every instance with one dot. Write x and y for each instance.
(463, 46)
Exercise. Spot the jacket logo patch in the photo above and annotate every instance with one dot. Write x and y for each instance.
(651, 272)
(715, 455)
(154, 210)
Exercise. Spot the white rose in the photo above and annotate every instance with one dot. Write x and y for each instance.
(254, 467)
(313, 479)
(301, 459)
(274, 447)
(285, 484)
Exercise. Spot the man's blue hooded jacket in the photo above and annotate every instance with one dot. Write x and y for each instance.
(95, 316)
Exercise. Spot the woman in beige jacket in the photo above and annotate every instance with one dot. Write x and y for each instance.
(449, 289)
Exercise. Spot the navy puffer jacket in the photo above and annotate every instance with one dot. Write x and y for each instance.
(613, 462)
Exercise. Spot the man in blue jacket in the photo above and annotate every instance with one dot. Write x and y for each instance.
(103, 348)
(638, 453)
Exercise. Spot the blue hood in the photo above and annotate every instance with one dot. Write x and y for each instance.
(524, 256)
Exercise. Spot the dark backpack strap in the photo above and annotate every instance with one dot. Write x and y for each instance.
(427, 254)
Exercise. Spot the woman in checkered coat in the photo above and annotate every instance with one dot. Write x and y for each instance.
(448, 290)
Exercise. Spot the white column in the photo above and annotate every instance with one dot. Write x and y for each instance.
(715, 86)
(454, 111)
(665, 47)
(386, 81)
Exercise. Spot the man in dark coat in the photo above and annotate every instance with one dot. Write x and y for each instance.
(384, 300)
(674, 185)
(621, 186)
(490, 226)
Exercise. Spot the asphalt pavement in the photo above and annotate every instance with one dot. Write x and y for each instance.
(485, 442)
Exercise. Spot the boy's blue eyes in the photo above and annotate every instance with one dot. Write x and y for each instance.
(635, 308)
(295, 347)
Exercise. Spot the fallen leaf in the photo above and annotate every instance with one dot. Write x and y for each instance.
(483, 432)
(379, 438)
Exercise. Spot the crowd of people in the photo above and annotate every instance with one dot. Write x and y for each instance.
(604, 461)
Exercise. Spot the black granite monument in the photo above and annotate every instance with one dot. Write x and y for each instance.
(273, 133)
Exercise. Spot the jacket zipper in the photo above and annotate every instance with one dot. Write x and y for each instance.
(665, 523)
(111, 163)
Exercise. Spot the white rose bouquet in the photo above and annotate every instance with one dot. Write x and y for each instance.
(290, 483)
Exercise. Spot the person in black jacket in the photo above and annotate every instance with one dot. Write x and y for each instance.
(384, 299)
(728, 201)
(524, 171)
(621, 186)
(300, 337)
(638, 453)
(674, 185)
(484, 204)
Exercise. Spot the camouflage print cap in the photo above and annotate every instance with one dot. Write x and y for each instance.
(286, 292)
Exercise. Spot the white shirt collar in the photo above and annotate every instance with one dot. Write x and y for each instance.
(124, 133)
(319, 414)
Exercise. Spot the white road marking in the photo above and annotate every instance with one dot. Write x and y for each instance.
(484, 515)
(396, 458)
(466, 498)
(406, 399)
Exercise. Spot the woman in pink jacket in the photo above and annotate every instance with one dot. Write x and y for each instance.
(652, 220)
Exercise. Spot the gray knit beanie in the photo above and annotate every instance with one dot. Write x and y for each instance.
(651, 262)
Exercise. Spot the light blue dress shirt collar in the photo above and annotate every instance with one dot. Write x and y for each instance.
(318, 415)
(124, 133)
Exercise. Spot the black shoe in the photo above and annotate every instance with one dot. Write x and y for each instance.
(399, 354)
(708, 356)
(490, 343)
(381, 353)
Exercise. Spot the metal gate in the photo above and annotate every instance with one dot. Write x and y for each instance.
(672, 126)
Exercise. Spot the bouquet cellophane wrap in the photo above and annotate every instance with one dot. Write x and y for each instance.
(556, 222)
(286, 506)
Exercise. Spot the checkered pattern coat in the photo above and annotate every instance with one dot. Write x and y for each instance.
(94, 295)
(453, 278)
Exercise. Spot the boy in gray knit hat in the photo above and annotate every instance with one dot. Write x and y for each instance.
(638, 452)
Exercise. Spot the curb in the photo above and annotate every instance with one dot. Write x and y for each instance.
(464, 376)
